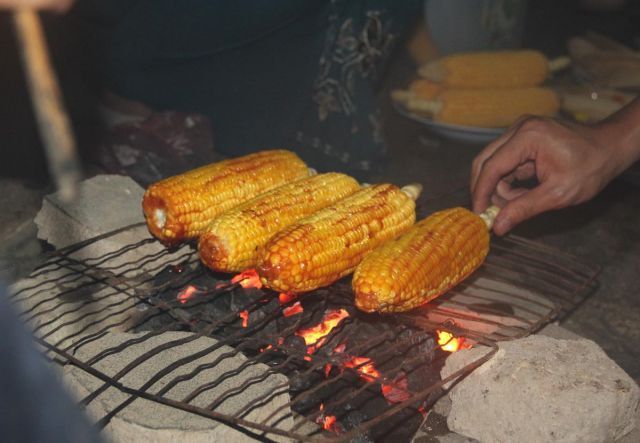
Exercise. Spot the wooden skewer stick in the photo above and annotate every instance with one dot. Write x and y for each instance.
(53, 122)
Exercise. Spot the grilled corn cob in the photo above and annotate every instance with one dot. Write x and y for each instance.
(181, 207)
(328, 245)
(230, 243)
(487, 108)
(500, 69)
(435, 255)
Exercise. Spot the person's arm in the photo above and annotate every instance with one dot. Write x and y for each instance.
(571, 163)
(53, 5)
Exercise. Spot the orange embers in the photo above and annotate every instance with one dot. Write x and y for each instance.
(294, 309)
(244, 315)
(286, 297)
(365, 368)
(314, 337)
(448, 342)
(328, 422)
(248, 279)
(188, 292)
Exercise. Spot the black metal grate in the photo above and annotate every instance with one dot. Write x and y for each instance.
(83, 295)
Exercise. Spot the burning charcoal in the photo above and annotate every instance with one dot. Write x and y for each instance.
(299, 381)
(296, 344)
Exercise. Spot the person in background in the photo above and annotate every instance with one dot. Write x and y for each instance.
(571, 163)
(267, 73)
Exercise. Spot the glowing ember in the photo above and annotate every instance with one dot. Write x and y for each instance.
(266, 348)
(365, 368)
(448, 342)
(314, 337)
(327, 370)
(422, 411)
(286, 297)
(295, 309)
(248, 279)
(307, 358)
(244, 315)
(329, 423)
(186, 293)
(340, 348)
(398, 390)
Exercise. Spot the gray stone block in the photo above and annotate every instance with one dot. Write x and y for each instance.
(543, 389)
(104, 204)
(257, 399)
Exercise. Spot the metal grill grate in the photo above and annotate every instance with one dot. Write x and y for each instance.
(388, 366)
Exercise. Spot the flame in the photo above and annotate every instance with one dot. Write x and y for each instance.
(188, 292)
(286, 297)
(365, 368)
(244, 315)
(295, 309)
(448, 342)
(314, 336)
(248, 279)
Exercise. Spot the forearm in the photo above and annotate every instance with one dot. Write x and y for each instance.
(621, 134)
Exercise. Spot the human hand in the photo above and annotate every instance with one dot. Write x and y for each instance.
(571, 163)
(52, 5)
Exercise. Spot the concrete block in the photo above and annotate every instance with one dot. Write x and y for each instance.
(105, 203)
(543, 389)
(259, 394)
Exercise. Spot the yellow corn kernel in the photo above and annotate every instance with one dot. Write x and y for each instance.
(425, 89)
(488, 108)
(329, 244)
(435, 255)
(180, 208)
(231, 242)
(499, 69)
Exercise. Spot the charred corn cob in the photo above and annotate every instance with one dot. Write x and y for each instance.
(435, 255)
(328, 245)
(181, 207)
(487, 108)
(500, 69)
(230, 243)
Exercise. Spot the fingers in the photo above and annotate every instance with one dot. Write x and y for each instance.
(528, 204)
(502, 163)
(487, 152)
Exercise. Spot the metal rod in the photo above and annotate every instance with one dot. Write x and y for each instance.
(53, 121)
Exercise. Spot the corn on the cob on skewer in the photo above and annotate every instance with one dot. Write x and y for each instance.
(435, 255)
(181, 207)
(230, 243)
(328, 245)
(499, 69)
(487, 108)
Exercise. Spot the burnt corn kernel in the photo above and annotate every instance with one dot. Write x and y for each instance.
(432, 257)
(179, 208)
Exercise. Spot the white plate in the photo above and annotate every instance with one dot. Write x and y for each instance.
(469, 134)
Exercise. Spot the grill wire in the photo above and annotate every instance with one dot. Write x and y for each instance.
(82, 294)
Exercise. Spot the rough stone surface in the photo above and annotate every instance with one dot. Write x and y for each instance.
(105, 203)
(148, 421)
(543, 389)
